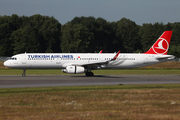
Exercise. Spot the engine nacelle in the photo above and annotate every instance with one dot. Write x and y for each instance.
(74, 70)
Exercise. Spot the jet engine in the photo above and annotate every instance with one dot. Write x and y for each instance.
(74, 70)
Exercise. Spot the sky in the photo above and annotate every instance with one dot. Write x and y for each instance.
(139, 11)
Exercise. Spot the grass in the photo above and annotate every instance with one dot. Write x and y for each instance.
(151, 102)
(96, 72)
(126, 102)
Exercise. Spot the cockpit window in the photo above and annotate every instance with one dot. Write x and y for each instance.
(13, 58)
(10, 58)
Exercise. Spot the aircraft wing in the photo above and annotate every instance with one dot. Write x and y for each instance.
(92, 64)
(98, 63)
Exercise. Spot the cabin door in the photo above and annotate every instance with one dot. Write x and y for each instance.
(24, 59)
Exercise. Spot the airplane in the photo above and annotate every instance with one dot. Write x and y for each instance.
(77, 63)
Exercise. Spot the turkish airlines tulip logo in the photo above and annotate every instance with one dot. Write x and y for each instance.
(161, 46)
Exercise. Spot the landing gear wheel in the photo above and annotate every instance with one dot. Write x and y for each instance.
(89, 74)
(24, 75)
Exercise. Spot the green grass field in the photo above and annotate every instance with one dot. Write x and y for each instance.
(96, 72)
(126, 102)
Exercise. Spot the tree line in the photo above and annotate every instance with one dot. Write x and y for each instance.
(38, 34)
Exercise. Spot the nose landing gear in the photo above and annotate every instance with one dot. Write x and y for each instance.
(24, 73)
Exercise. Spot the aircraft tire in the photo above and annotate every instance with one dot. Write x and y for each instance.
(24, 75)
(89, 74)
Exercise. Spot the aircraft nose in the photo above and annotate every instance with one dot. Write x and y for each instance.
(6, 63)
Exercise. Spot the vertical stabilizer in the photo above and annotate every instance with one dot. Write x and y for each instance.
(161, 46)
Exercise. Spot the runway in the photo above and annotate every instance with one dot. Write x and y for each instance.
(81, 80)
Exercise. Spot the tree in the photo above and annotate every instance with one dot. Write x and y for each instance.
(168, 26)
(127, 34)
(39, 33)
(175, 41)
(76, 39)
(50, 32)
(149, 34)
(25, 40)
(5, 34)
(67, 37)
(90, 24)
(175, 36)
(174, 50)
(43, 34)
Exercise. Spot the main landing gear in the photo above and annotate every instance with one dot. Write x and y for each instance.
(24, 73)
(89, 73)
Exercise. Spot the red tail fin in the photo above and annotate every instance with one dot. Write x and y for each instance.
(161, 46)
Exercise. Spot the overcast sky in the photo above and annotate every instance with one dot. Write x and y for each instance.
(139, 11)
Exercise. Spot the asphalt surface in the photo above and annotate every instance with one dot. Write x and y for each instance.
(81, 80)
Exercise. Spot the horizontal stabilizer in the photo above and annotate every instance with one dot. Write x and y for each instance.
(169, 57)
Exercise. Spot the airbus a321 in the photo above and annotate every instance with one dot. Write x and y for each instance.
(76, 63)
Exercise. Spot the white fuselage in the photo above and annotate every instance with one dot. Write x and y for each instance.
(62, 60)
